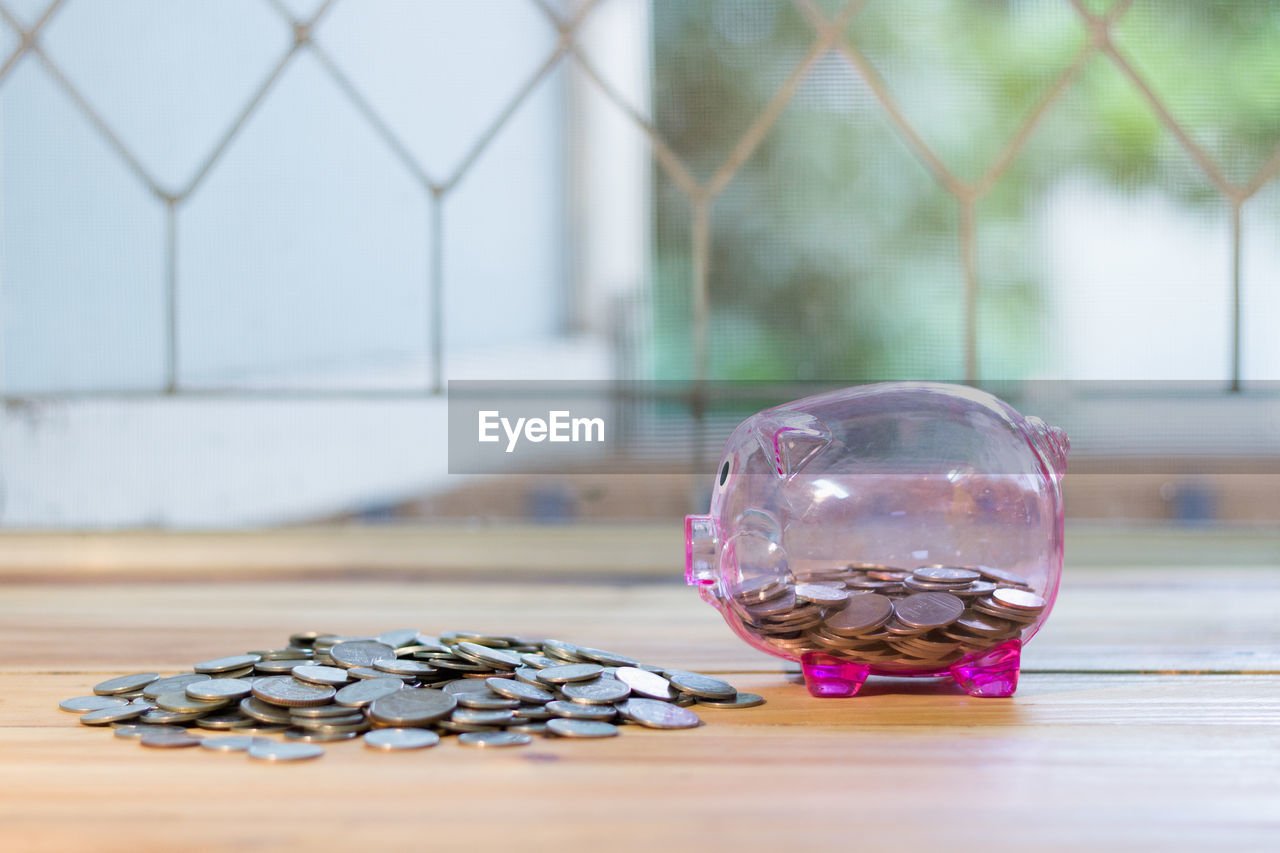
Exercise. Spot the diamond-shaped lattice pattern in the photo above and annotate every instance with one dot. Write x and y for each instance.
(348, 263)
(695, 90)
(957, 121)
(825, 268)
(51, 272)
(28, 12)
(466, 79)
(201, 64)
(1225, 92)
(938, 60)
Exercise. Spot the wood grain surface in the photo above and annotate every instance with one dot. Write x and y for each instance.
(1148, 717)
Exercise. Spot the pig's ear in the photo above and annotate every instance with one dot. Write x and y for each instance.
(790, 439)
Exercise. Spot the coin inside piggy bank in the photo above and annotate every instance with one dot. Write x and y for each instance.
(904, 528)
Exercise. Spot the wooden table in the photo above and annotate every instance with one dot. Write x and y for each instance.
(1148, 717)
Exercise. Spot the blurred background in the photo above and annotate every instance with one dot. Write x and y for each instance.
(245, 245)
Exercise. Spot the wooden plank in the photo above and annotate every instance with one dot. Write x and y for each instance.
(1124, 620)
(1077, 759)
(1073, 762)
(507, 550)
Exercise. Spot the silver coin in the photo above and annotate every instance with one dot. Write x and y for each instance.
(262, 729)
(317, 712)
(323, 726)
(569, 673)
(760, 589)
(528, 728)
(390, 740)
(329, 723)
(487, 701)
(399, 637)
(297, 736)
(561, 651)
(277, 666)
(290, 692)
(539, 712)
(927, 610)
(518, 690)
(130, 732)
(654, 714)
(263, 712)
(945, 574)
(1001, 576)
(364, 672)
(537, 661)
(360, 653)
(477, 717)
(223, 665)
(412, 707)
(275, 751)
(80, 704)
(602, 691)
(490, 740)
(1018, 599)
(364, 693)
(466, 685)
(529, 675)
(180, 703)
(225, 720)
(404, 668)
(604, 658)
(450, 727)
(702, 686)
(492, 640)
(161, 717)
(114, 714)
(574, 711)
(334, 676)
(564, 727)
(219, 689)
(169, 741)
(496, 658)
(742, 700)
(174, 682)
(451, 665)
(820, 593)
(233, 743)
(125, 683)
(646, 684)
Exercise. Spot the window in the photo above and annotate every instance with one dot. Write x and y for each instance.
(245, 244)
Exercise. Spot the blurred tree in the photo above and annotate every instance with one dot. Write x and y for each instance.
(836, 252)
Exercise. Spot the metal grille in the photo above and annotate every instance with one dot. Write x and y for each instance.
(829, 24)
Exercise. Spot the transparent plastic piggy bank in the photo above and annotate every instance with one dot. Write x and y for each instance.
(904, 528)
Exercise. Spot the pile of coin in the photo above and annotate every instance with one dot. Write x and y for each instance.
(400, 690)
(922, 619)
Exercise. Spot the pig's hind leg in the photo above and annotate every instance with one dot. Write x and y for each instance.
(830, 677)
(992, 673)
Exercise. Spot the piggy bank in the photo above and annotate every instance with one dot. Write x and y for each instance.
(902, 528)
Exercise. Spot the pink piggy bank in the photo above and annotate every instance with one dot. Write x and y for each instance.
(902, 528)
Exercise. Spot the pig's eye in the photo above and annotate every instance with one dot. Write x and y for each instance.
(724, 472)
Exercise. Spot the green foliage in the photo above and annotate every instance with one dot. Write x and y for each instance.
(836, 253)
